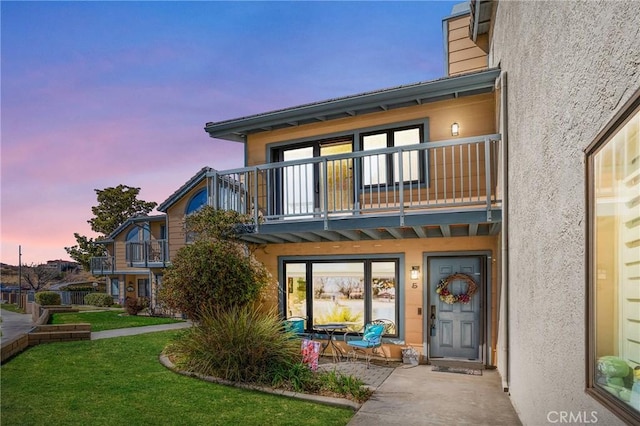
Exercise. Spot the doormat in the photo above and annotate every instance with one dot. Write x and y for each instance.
(459, 370)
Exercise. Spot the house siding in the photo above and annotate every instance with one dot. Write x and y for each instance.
(475, 114)
(463, 54)
(175, 215)
(413, 251)
(570, 67)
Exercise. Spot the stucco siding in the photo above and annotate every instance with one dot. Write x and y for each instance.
(570, 66)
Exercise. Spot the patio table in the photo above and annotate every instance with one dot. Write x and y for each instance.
(331, 330)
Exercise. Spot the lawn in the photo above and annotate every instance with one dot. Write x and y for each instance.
(108, 320)
(12, 307)
(120, 381)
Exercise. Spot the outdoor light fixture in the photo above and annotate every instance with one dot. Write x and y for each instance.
(415, 272)
(455, 129)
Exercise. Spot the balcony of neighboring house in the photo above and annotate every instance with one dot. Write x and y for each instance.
(420, 190)
(138, 254)
(102, 265)
(147, 254)
(137, 243)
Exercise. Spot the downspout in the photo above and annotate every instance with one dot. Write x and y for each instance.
(504, 294)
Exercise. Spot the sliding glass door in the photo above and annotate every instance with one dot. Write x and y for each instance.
(353, 291)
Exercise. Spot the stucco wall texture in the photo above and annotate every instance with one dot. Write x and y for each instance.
(570, 66)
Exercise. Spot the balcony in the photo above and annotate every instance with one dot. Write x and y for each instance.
(435, 189)
(142, 254)
(148, 254)
(102, 265)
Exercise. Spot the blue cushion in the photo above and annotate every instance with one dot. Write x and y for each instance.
(373, 332)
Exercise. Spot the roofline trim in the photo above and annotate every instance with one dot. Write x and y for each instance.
(237, 129)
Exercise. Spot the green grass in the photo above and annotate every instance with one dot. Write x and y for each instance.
(12, 307)
(108, 320)
(120, 381)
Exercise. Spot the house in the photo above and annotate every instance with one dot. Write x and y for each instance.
(491, 214)
(365, 204)
(137, 253)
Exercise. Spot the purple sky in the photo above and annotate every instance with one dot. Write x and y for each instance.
(96, 94)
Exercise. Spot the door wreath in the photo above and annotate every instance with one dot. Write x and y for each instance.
(447, 297)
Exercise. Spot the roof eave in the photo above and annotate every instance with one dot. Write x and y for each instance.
(185, 188)
(424, 92)
(130, 221)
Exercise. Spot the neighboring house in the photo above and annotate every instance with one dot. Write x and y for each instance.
(570, 72)
(366, 205)
(137, 255)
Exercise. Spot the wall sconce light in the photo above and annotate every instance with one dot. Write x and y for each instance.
(415, 272)
(455, 129)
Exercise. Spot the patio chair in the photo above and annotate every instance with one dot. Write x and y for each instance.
(296, 325)
(368, 344)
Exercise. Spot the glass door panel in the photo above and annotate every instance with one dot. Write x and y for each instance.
(296, 289)
(339, 178)
(383, 290)
(338, 290)
(298, 183)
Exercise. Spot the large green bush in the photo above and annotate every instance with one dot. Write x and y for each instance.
(217, 270)
(214, 273)
(98, 299)
(48, 298)
(238, 343)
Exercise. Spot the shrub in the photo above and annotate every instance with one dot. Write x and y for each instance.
(134, 306)
(48, 298)
(239, 344)
(242, 344)
(98, 299)
(209, 274)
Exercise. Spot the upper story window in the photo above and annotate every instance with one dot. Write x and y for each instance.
(136, 238)
(613, 264)
(385, 169)
(138, 233)
(198, 200)
(329, 174)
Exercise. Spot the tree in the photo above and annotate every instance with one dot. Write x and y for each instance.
(217, 271)
(115, 206)
(84, 250)
(38, 276)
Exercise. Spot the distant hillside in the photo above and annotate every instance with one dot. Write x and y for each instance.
(9, 275)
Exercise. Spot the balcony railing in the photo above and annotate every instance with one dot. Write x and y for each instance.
(102, 265)
(146, 253)
(433, 176)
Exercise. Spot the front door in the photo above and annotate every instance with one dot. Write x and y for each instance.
(454, 328)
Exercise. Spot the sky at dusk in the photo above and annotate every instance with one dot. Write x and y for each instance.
(97, 94)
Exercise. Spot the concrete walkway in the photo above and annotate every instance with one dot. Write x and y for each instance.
(419, 396)
(120, 332)
(14, 324)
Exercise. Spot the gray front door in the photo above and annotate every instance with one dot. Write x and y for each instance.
(454, 329)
